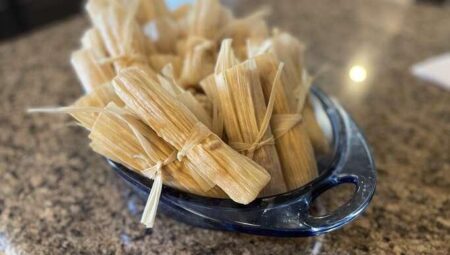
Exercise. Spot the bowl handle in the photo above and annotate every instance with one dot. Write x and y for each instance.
(352, 168)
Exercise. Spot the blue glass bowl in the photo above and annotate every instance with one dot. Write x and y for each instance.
(288, 214)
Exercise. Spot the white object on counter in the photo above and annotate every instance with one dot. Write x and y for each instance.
(435, 69)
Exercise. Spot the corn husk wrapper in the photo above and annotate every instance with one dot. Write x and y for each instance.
(207, 18)
(197, 63)
(163, 32)
(169, 83)
(125, 139)
(292, 141)
(158, 61)
(90, 72)
(147, 10)
(238, 176)
(209, 87)
(97, 98)
(252, 27)
(225, 60)
(315, 133)
(121, 34)
(92, 40)
(181, 13)
(247, 122)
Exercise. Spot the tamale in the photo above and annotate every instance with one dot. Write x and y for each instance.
(242, 104)
(114, 135)
(292, 140)
(90, 72)
(238, 176)
(123, 38)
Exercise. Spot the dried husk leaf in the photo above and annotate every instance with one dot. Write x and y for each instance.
(207, 18)
(239, 177)
(158, 61)
(209, 87)
(148, 10)
(113, 136)
(294, 146)
(315, 133)
(290, 50)
(184, 96)
(123, 38)
(163, 32)
(252, 27)
(197, 64)
(92, 40)
(98, 98)
(243, 106)
(90, 72)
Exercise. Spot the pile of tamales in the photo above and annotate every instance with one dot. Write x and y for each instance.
(197, 99)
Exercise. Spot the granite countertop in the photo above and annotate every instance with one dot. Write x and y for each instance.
(58, 197)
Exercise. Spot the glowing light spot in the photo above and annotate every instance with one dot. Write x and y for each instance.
(357, 73)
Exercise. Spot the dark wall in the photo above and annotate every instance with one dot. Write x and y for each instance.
(17, 16)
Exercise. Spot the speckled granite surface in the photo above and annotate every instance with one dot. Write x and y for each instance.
(57, 197)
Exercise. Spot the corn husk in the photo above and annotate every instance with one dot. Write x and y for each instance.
(121, 34)
(238, 176)
(90, 72)
(147, 10)
(252, 27)
(122, 137)
(242, 104)
(197, 63)
(92, 40)
(207, 18)
(97, 98)
(292, 140)
(163, 32)
(158, 61)
(169, 83)
(315, 133)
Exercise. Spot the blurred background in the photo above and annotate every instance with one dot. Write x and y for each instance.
(21, 16)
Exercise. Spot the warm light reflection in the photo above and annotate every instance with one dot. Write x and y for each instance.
(357, 73)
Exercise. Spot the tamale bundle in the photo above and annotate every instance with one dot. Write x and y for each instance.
(121, 34)
(164, 101)
(114, 136)
(292, 140)
(238, 176)
(243, 106)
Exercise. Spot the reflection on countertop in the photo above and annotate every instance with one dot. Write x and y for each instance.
(56, 196)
